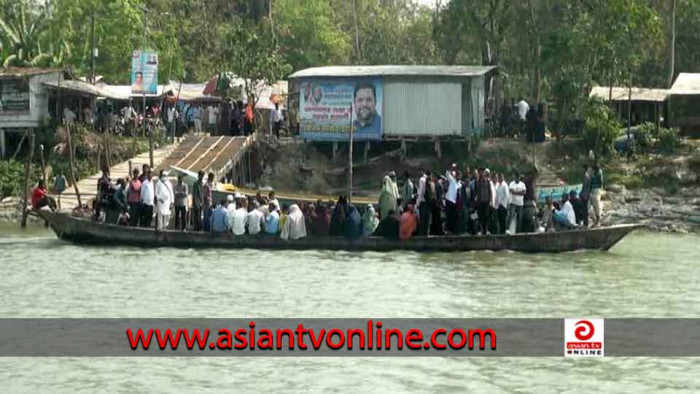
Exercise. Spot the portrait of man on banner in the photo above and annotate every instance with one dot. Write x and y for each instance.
(367, 120)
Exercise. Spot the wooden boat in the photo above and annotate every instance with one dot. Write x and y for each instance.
(83, 231)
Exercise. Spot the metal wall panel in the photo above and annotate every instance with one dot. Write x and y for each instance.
(422, 108)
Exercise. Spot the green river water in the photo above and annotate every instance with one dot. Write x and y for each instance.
(647, 275)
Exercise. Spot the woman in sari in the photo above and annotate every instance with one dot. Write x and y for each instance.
(388, 197)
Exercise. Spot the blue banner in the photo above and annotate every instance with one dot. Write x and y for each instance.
(327, 109)
(144, 73)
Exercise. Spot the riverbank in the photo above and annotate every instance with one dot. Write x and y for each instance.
(654, 207)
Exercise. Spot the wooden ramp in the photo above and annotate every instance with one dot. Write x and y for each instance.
(88, 186)
(209, 154)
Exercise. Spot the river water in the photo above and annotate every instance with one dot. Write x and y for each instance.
(647, 275)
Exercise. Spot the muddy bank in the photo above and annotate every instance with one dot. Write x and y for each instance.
(654, 207)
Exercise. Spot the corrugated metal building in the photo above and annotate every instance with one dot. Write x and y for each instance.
(413, 101)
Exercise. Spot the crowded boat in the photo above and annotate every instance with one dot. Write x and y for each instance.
(456, 202)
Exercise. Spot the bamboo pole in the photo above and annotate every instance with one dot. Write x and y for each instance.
(27, 174)
(72, 168)
(43, 165)
(352, 129)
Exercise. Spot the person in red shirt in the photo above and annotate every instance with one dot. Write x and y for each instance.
(41, 199)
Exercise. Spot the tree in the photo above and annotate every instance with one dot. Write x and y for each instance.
(24, 40)
(308, 34)
(252, 54)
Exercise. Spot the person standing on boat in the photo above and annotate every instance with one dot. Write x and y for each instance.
(436, 224)
(338, 215)
(585, 195)
(180, 191)
(423, 211)
(208, 197)
(501, 202)
(105, 193)
(451, 201)
(517, 201)
(164, 196)
(198, 201)
(147, 200)
(407, 190)
(388, 196)
(134, 199)
(482, 188)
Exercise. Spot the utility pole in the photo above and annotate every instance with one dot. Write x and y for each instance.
(143, 123)
(92, 51)
(352, 127)
(92, 68)
(672, 46)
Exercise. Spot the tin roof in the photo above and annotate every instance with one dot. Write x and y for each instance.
(686, 84)
(622, 94)
(26, 71)
(370, 71)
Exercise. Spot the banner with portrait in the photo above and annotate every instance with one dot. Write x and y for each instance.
(327, 108)
(144, 73)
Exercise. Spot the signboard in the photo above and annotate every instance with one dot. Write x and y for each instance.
(14, 95)
(327, 108)
(144, 73)
(556, 191)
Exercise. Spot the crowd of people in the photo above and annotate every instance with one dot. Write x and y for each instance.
(474, 202)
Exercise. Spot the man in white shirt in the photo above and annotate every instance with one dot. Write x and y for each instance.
(256, 220)
(501, 202)
(240, 218)
(565, 217)
(517, 200)
(165, 197)
(451, 201)
(230, 207)
(276, 119)
(147, 197)
(172, 116)
(523, 109)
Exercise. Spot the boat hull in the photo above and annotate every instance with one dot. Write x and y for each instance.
(83, 231)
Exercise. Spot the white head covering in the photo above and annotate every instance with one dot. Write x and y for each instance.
(295, 226)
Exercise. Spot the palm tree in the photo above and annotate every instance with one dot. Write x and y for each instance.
(21, 37)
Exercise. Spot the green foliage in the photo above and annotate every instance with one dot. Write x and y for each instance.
(668, 140)
(11, 178)
(601, 128)
(252, 54)
(643, 137)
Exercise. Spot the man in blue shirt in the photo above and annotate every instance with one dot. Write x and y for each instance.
(272, 224)
(219, 219)
(367, 121)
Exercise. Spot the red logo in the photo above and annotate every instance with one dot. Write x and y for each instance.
(584, 330)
